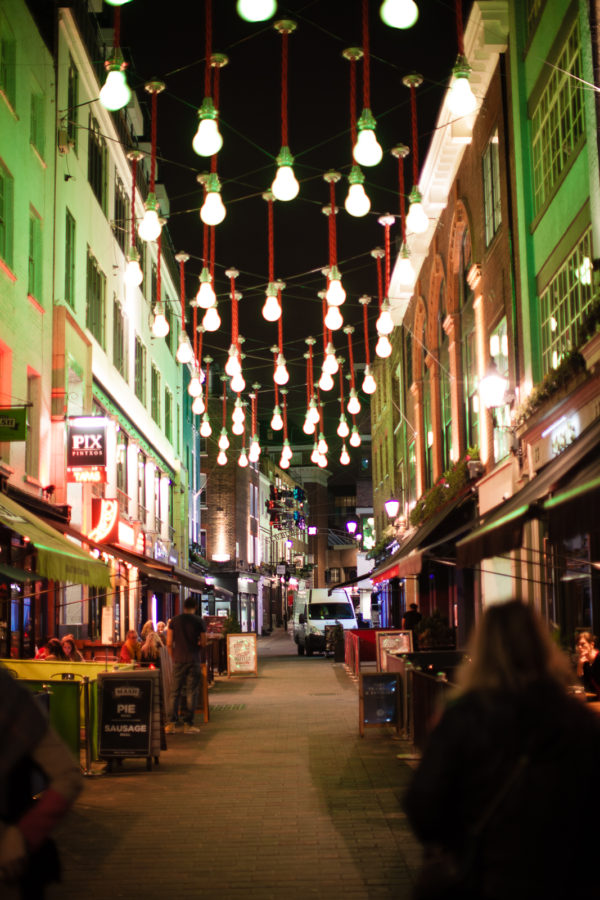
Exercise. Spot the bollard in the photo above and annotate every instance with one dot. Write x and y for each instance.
(86, 726)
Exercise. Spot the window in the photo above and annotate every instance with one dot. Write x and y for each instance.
(95, 299)
(491, 189)
(140, 370)
(499, 354)
(445, 393)
(155, 395)
(73, 105)
(70, 235)
(119, 339)
(534, 10)
(557, 121)
(6, 215)
(427, 426)
(157, 519)
(121, 215)
(153, 283)
(122, 483)
(564, 303)
(36, 126)
(97, 162)
(8, 62)
(32, 447)
(469, 348)
(178, 427)
(171, 338)
(168, 415)
(34, 269)
(141, 492)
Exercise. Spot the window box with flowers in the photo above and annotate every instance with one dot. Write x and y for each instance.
(449, 486)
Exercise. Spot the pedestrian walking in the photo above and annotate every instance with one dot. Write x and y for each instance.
(186, 636)
(506, 796)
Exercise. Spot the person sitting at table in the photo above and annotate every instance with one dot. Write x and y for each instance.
(52, 649)
(130, 651)
(151, 648)
(70, 650)
(588, 662)
(161, 632)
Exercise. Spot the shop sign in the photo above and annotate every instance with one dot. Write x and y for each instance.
(87, 475)
(109, 528)
(86, 441)
(13, 424)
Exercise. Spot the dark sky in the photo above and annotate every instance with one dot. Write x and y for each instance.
(169, 43)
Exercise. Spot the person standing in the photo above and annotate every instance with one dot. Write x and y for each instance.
(186, 635)
(410, 622)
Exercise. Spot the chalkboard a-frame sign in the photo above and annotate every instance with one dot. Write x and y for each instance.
(379, 700)
(125, 716)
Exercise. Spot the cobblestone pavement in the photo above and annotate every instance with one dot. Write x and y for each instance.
(277, 797)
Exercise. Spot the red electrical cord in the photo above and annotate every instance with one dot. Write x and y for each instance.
(181, 288)
(153, 144)
(366, 329)
(402, 197)
(379, 283)
(235, 333)
(285, 428)
(208, 45)
(224, 404)
(284, 88)
(271, 241)
(158, 256)
(117, 31)
(415, 137)
(460, 40)
(206, 382)
(353, 102)
(387, 258)
(350, 357)
(366, 55)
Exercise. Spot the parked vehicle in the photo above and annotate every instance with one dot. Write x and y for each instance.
(314, 608)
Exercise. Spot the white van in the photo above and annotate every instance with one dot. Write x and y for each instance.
(315, 608)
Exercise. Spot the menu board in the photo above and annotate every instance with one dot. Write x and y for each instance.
(125, 715)
(242, 658)
(392, 642)
(379, 700)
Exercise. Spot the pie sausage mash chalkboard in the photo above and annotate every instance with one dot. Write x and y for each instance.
(241, 654)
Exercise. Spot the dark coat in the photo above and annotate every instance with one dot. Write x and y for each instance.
(542, 840)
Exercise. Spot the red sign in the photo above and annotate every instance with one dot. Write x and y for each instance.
(109, 528)
(91, 475)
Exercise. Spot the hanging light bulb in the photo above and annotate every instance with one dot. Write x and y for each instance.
(254, 452)
(133, 272)
(333, 319)
(313, 412)
(284, 463)
(243, 460)
(185, 353)
(335, 294)
(325, 381)
(322, 446)
(206, 297)
(276, 421)
(355, 438)
(406, 273)
(195, 385)
(330, 363)
(237, 383)
(160, 326)
(314, 456)
(150, 227)
(286, 451)
(281, 375)
(198, 405)
(399, 13)
(237, 428)
(115, 93)
(117, 2)
(222, 458)
(271, 310)
(223, 439)
(309, 426)
(461, 100)
(369, 384)
(383, 348)
(238, 414)
(344, 456)
(367, 150)
(322, 461)
(343, 429)
(385, 324)
(285, 186)
(207, 140)
(416, 220)
(205, 429)
(211, 320)
(353, 405)
(256, 10)
(233, 364)
(357, 202)
(213, 210)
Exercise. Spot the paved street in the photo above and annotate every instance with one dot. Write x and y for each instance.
(277, 797)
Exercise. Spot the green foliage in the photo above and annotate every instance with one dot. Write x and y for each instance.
(231, 625)
(553, 382)
(449, 485)
(435, 631)
(590, 324)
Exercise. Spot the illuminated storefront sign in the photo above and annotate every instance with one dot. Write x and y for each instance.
(13, 424)
(86, 450)
(109, 528)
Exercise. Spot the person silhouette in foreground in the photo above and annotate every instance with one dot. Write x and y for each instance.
(33, 761)
(508, 784)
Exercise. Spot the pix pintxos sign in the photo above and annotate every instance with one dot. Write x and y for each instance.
(86, 449)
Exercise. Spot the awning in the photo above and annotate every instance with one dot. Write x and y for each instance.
(356, 580)
(56, 557)
(408, 559)
(565, 492)
(17, 574)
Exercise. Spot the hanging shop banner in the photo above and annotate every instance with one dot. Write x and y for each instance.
(86, 441)
(241, 654)
(13, 424)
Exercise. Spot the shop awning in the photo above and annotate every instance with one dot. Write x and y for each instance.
(56, 557)
(408, 559)
(565, 492)
(14, 574)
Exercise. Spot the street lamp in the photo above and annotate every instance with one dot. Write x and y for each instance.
(352, 526)
(392, 507)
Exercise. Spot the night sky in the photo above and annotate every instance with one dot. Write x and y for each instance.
(169, 43)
